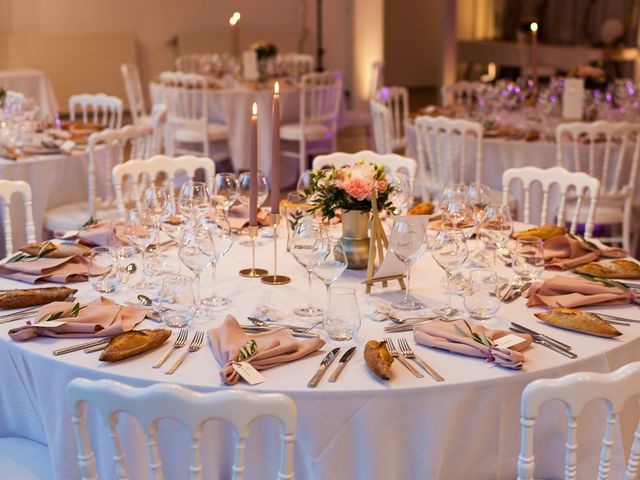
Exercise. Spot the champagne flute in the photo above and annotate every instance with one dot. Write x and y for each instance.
(197, 252)
(244, 193)
(408, 242)
(449, 250)
(497, 226)
(194, 200)
(328, 262)
(302, 244)
(225, 191)
(222, 237)
(141, 228)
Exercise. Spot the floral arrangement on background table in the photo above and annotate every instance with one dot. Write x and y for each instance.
(266, 55)
(594, 76)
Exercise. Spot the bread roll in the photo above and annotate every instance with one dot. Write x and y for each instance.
(134, 342)
(579, 321)
(623, 269)
(34, 296)
(544, 232)
(60, 250)
(378, 359)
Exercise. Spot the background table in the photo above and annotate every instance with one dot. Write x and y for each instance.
(34, 84)
(356, 428)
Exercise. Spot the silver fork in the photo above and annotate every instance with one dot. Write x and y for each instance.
(194, 346)
(181, 341)
(405, 349)
(394, 353)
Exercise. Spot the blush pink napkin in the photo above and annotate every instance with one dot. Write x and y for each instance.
(56, 270)
(100, 318)
(566, 253)
(573, 292)
(103, 233)
(274, 348)
(444, 335)
(239, 217)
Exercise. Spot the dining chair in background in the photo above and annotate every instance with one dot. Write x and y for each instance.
(389, 127)
(98, 108)
(567, 183)
(192, 410)
(392, 162)
(294, 64)
(576, 391)
(135, 96)
(8, 188)
(461, 93)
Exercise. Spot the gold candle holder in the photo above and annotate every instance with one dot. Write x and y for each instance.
(275, 279)
(253, 272)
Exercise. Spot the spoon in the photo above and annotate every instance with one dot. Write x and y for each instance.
(130, 269)
(400, 321)
(260, 323)
(144, 300)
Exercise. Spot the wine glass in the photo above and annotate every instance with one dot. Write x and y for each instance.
(225, 191)
(497, 226)
(158, 200)
(478, 196)
(194, 200)
(302, 244)
(401, 195)
(461, 216)
(328, 261)
(222, 237)
(450, 193)
(244, 194)
(197, 252)
(304, 181)
(449, 250)
(528, 259)
(408, 242)
(141, 228)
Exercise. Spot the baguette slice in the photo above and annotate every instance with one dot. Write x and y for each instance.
(544, 232)
(134, 342)
(579, 321)
(34, 296)
(624, 269)
(378, 359)
(61, 250)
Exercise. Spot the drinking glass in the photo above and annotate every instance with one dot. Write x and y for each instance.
(244, 189)
(197, 252)
(528, 259)
(194, 200)
(401, 195)
(176, 301)
(225, 191)
(302, 243)
(222, 237)
(341, 320)
(296, 210)
(450, 193)
(158, 200)
(141, 228)
(459, 215)
(304, 181)
(175, 226)
(497, 226)
(478, 197)
(408, 242)
(449, 250)
(481, 299)
(328, 261)
(105, 275)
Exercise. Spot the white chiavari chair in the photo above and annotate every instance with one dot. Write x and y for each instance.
(142, 172)
(320, 96)
(152, 404)
(106, 149)
(159, 115)
(462, 92)
(135, 97)
(8, 188)
(566, 182)
(294, 64)
(396, 99)
(97, 108)
(610, 152)
(190, 131)
(381, 121)
(392, 162)
(576, 391)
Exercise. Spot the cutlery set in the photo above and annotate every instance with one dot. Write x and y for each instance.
(19, 315)
(544, 340)
(326, 363)
(407, 324)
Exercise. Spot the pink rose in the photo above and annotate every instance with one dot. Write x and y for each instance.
(382, 186)
(359, 188)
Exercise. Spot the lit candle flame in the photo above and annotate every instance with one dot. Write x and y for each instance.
(254, 109)
(534, 27)
(234, 18)
(276, 88)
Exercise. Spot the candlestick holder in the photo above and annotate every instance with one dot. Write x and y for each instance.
(253, 272)
(275, 279)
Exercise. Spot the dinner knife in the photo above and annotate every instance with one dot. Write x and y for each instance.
(81, 346)
(324, 365)
(544, 337)
(540, 341)
(341, 364)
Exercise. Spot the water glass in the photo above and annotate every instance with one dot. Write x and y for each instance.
(342, 317)
(449, 250)
(225, 191)
(141, 228)
(329, 261)
(194, 200)
(482, 299)
(304, 239)
(496, 225)
(222, 237)
(408, 243)
(197, 252)
(176, 301)
(104, 274)
(528, 259)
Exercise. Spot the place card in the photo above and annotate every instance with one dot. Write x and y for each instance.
(573, 99)
(250, 65)
(51, 324)
(508, 341)
(250, 374)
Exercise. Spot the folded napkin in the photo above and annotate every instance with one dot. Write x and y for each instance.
(446, 336)
(239, 217)
(39, 150)
(273, 348)
(570, 292)
(101, 234)
(565, 253)
(56, 270)
(100, 318)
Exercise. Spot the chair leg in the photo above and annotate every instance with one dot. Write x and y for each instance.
(303, 157)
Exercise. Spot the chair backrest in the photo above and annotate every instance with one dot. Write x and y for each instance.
(566, 181)
(294, 64)
(396, 99)
(133, 87)
(462, 92)
(185, 95)
(445, 164)
(159, 115)
(147, 170)
(576, 391)
(381, 122)
(192, 410)
(105, 109)
(392, 163)
(7, 189)
(376, 79)
(320, 97)
(114, 142)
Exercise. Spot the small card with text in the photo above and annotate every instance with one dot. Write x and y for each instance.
(250, 374)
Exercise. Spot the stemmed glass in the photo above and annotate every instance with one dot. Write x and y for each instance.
(225, 191)
(497, 226)
(141, 228)
(302, 244)
(222, 237)
(244, 191)
(197, 252)
(158, 200)
(459, 215)
(401, 195)
(449, 250)
(328, 261)
(304, 181)
(408, 242)
(452, 193)
(194, 200)
(478, 196)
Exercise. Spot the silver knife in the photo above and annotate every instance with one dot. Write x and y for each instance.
(551, 346)
(324, 365)
(341, 364)
(546, 338)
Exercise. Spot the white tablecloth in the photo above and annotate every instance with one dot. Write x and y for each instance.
(34, 84)
(356, 428)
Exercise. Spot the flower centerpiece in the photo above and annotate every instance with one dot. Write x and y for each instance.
(594, 76)
(266, 53)
(349, 191)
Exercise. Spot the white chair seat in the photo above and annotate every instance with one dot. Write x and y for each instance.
(73, 215)
(312, 132)
(24, 459)
(193, 134)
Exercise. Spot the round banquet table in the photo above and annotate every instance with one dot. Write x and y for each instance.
(356, 428)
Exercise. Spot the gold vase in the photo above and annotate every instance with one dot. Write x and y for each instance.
(355, 238)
